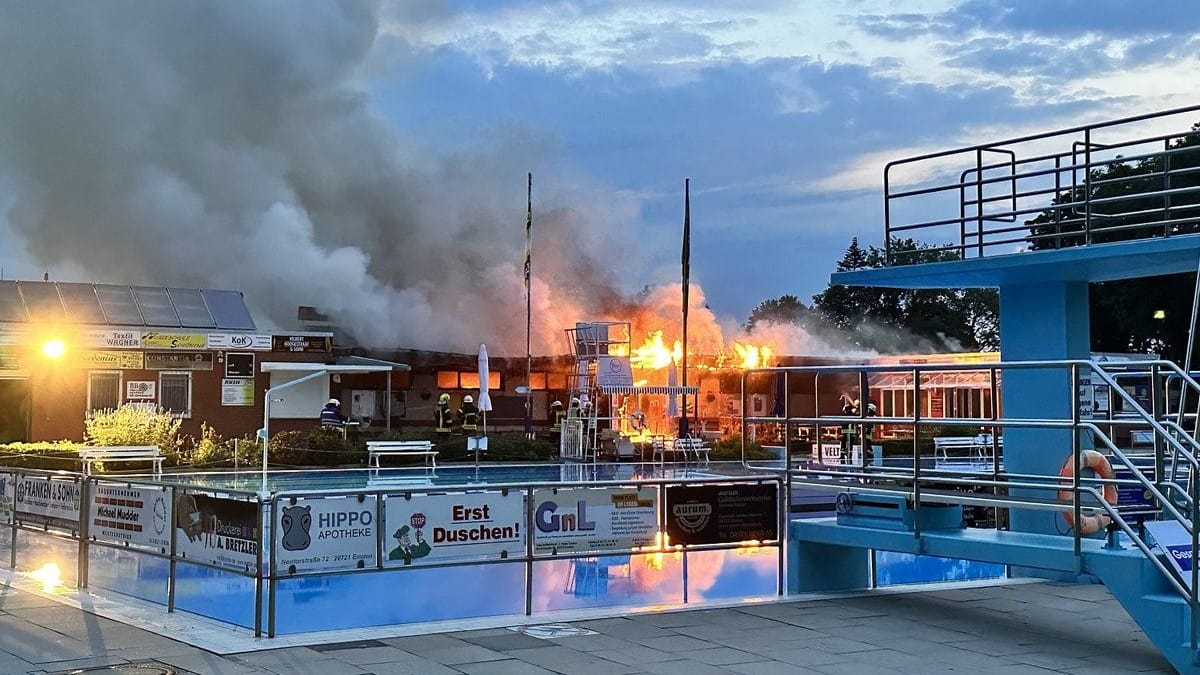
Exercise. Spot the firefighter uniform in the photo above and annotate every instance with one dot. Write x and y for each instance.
(468, 416)
(442, 418)
(557, 415)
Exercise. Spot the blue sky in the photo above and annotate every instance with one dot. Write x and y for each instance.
(369, 159)
(781, 113)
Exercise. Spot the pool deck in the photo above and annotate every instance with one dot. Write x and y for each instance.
(1009, 628)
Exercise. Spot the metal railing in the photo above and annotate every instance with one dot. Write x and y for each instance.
(1172, 448)
(266, 571)
(1115, 180)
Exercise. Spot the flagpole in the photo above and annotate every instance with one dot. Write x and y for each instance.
(528, 306)
(687, 264)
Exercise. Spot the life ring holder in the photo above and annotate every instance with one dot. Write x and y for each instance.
(637, 421)
(1089, 459)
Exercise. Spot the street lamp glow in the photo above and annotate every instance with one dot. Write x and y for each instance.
(1160, 313)
(54, 349)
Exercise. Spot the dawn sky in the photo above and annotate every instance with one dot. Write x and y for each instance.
(389, 139)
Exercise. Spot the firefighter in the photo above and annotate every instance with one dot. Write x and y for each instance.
(557, 413)
(468, 416)
(850, 409)
(442, 419)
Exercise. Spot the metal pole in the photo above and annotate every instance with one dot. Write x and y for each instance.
(12, 554)
(1075, 456)
(528, 551)
(528, 309)
(687, 273)
(782, 535)
(258, 573)
(271, 583)
(85, 512)
(995, 390)
(916, 453)
(387, 415)
(171, 553)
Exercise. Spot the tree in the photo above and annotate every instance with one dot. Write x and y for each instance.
(957, 319)
(784, 309)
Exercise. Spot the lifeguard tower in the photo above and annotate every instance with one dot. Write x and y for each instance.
(1040, 217)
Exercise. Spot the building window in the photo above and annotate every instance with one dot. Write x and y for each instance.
(556, 381)
(104, 390)
(175, 393)
(449, 379)
(537, 381)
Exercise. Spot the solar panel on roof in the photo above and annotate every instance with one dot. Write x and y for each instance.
(156, 306)
(191, 308)
(118, 305)
(12, 308)
(81, 302)
(229, 309)
(42, 301)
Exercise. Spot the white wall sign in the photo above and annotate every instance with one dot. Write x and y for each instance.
(433, 528)
(1176, 543)
(322, 535)
(140, 390)
(594, 519)
(112, 339)
(217, 531)
(614, 371)
(251, 341)
(47, 501)
(237, 391)
(136, 516)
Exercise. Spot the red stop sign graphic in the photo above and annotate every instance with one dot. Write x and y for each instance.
(417, 520)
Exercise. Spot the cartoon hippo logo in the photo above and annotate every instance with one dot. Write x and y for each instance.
(296, 521)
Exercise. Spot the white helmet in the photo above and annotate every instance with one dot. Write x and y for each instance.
(334, 401)
(468, 399)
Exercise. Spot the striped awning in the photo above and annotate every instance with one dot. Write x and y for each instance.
(638, 391)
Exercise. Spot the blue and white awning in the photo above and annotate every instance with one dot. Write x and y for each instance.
(638, 391)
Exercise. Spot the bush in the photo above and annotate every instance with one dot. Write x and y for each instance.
(52, 455)
(729, 448)
(212, 451)
(318, 447)
(135, 425)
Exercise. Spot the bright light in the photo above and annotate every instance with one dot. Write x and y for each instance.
(1160, 313)
(54, 349)
(48, 576)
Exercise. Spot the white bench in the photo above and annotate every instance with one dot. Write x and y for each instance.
(121, 453)
(422, 449)
(977, 448)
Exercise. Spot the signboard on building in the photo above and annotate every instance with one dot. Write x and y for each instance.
(131, 515)
(104, 338)
(594, 519)
(217, 531)
(161, 340)
(7, 485)
(306, 344)
(435, 528)
(47, 501)
(237, 391)
(722, 514)
(254, 341)
(139, 390)
(327, 534)
(239, 364)
(179, 361)
(95, 359)
(614, 371)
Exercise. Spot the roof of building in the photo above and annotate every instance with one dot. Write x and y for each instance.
(106, 304)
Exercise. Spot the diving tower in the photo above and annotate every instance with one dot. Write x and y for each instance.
(1039, 218)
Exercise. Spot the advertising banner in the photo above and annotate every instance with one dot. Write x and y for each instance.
(137, 516)
(160, 340)
(217, 530)
(239, 364)
(179, 360)
(434, 528)
(722, 514)
(324, 535)
(140, 390)
(7, 485)
(110, 360)
(237, 391)
(239, 341)
(47, 501)
(594, 519)
(1176, 542)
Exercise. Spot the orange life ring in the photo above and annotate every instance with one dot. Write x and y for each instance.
(1089, 459)
(637, 421)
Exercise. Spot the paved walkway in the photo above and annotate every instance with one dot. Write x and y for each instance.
(1012, 629)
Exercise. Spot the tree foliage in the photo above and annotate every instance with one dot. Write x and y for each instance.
(786, 309)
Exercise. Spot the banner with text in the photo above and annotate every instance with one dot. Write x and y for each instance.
(217, 530)
(104, 359)
(434, 528)
(160, 340)
(239, 341)
(594, 519)
(52, 502)
(1176, 542)
(132, 515)
(324, 535)
(722, 514)
(7, 486)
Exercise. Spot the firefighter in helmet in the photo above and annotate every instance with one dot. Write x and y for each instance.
(442, 419)
(468, 416)
(557, 413)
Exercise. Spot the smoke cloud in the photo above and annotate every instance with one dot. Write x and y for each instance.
(233, 145)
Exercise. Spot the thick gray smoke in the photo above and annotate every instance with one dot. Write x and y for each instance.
(232, 145)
